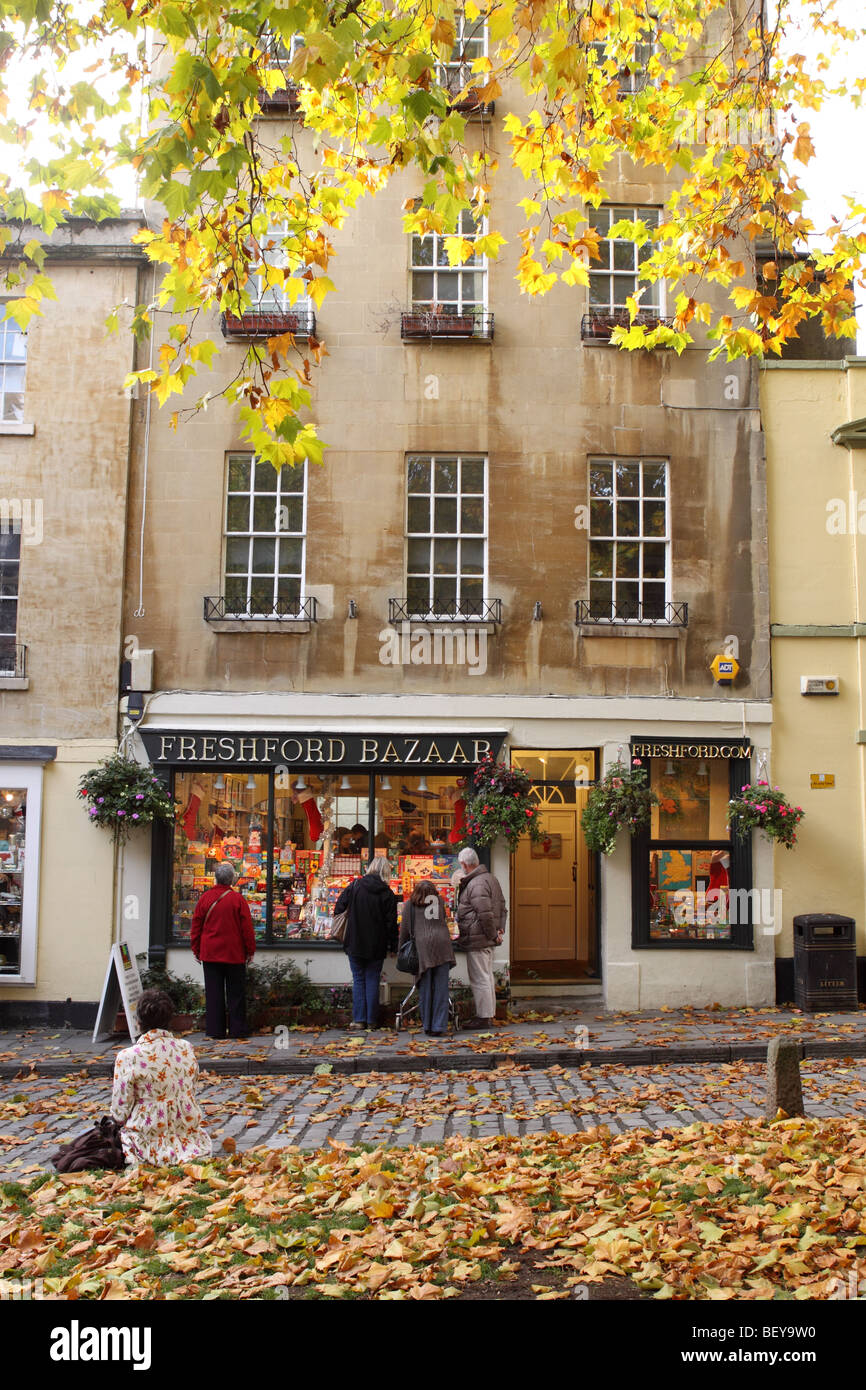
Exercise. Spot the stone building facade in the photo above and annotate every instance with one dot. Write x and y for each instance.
(65, 451)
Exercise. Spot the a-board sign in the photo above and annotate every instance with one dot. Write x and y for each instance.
(122, 988)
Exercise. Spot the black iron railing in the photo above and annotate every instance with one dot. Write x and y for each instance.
(224, 609)
(426, 323)
(600, 323)
(641, 614)
(257, 322)
(400, 610)
(463, 95)
(285, 101)
(13, 659)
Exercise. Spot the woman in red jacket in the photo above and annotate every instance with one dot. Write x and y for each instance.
(223, 940)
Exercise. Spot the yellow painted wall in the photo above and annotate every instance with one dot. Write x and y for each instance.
(816, 579)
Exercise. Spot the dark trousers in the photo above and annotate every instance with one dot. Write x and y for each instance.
(224, 992)
(365, 990)
(433, 999)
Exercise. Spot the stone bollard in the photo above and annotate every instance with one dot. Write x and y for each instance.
(784, 1089)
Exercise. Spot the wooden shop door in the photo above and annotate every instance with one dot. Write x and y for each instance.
(545, 892)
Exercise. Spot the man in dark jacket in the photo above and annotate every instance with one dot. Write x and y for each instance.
(371, 932)
(222, 938)
(481, 914)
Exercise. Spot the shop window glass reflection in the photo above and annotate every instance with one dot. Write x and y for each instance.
(693, 798)
(324, 833)
(690, 852)
(13, 810)
(420, 827)
(689, 894)
(221, 817)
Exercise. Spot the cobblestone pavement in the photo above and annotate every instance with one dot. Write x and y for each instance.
(37, 1115)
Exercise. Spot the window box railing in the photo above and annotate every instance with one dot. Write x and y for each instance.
(425, 323)
(400, 610)
(13, 660)
(600, 323)
(463, 98)
(285, 101)
(269, 323)
(672, 614)
(219, 609)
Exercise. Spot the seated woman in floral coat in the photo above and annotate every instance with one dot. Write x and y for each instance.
(154, 1091)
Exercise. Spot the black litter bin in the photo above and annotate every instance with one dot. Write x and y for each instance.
(825, 962)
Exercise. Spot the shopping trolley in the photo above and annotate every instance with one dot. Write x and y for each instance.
(412, 1004)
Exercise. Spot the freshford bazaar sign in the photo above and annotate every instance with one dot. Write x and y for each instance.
(311, 750)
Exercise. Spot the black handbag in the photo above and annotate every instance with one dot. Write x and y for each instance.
(407, 956)
(100, 1147)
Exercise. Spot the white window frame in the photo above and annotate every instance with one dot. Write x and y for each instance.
(7, 326)
(458, 535)
(653, 299)
(629, 79)
(27, 777)
(11, 560)
(478, 267)
(252, 535)
(274, 299)
(278, 51)
(457, 73)
(640, 539)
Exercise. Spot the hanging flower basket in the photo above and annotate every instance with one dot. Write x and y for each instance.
(122, 795)
(621, 801)
(502, 805)
(762, 807)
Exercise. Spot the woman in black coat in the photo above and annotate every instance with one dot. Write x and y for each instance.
(371, 932)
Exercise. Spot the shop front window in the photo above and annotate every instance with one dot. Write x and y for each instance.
(419, 826)
(689, 869)
(692, 877)
(13, 812)
(297, 841)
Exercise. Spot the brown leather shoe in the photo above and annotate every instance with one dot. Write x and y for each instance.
(478, 1025)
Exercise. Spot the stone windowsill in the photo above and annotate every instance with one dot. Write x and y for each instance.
(16, 427)
(445, 624)
(259, 625)
(664, 630)
(14, 682)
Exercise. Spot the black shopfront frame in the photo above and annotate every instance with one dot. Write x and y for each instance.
(384, 754)
(737, 753)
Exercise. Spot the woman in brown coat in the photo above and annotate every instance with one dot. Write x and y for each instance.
(425, 922)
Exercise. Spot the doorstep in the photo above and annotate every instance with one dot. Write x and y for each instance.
(587, 991)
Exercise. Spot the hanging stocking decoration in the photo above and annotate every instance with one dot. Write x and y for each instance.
(458, 832)
(189, 816)
(307, 801)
